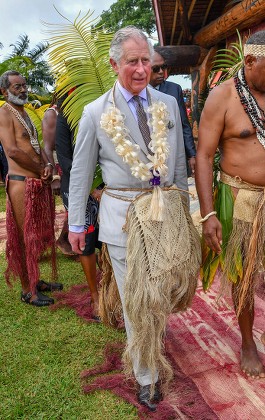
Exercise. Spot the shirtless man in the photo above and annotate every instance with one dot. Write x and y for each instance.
(48, 126)
(30, 208)
(233, 121)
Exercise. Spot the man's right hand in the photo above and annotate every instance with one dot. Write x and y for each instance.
(77, 241)
(212, 232)
(56, 187)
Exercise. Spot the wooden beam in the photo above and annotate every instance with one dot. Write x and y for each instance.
(184, 21)
(189, 15)
(183, 55)
(207, 12)
(174, 22)
(159, 24)
(244, 15)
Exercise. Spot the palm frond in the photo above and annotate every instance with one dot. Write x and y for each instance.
(78, 55)
(229, 60)
(21, 46)
(37, 52)
(36, 116)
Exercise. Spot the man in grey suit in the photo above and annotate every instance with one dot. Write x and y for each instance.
(111, 133)
(158, 81)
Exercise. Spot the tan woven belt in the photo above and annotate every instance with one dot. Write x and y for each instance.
(140, 190)
(237, 182)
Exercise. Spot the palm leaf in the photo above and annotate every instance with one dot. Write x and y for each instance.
(21, 46)
(229, 60)
(78, 55)
(37, 52)
(36, 116)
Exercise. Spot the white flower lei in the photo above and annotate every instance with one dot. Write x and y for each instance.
(113, 123)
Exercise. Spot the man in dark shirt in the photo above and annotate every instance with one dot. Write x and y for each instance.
(158, 82)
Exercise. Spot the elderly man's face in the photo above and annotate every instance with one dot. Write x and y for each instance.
(255, 73)
(17, 93)
(158, 70)
(134, 68)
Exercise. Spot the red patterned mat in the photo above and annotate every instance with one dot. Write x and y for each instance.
(203, 345)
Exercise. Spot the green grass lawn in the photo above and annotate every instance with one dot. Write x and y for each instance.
(43, 352)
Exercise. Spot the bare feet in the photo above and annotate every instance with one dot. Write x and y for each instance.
(251, 364)
(95, 309)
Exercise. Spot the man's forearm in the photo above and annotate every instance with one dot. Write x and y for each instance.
(204, 182)
(27, 162)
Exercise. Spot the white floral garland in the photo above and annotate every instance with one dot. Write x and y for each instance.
(113, 123)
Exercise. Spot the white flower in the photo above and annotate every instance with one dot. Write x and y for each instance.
(113, 124)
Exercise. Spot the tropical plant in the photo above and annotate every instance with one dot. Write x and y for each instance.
(229, 60)
(78, 54)
(30, 63)
(36, 115)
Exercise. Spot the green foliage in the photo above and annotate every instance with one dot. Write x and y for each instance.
(78, 54)
(229, 60)
(30, 64)
(36, 114)
(129, 12)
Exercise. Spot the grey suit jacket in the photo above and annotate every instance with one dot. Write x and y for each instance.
(94, 145)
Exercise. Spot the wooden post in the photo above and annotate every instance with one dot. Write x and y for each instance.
(199, 76)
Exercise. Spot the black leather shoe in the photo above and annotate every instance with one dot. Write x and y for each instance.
(44, 286)
(41, 300)
(157, 394)
(144, 397)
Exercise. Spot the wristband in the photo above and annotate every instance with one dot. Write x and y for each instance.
(212, 213)
(50, 164)
(56, 177)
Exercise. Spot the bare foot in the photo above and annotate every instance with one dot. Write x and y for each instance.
(95, 310)
(251, 364)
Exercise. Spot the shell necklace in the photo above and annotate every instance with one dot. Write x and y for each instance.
(33, 137)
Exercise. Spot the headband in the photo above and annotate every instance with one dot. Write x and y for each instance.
(253, 49)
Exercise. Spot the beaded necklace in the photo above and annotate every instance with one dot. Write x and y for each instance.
(33, 137)
(250, 105)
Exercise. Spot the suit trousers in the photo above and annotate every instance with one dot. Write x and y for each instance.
(118, 259)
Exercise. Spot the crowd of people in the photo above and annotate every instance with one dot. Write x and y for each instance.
(139, 133)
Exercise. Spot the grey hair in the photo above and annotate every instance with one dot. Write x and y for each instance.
(257, 38)
(123, 35)
(4, 79)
